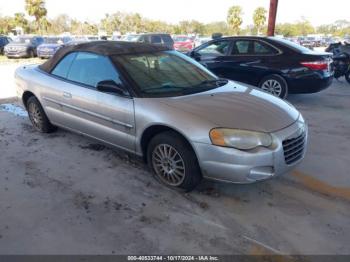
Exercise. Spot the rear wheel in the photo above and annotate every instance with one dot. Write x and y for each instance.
(38, 117)
(173, 161)
(275, 85)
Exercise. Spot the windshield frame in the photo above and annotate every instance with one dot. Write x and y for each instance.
(138, 90)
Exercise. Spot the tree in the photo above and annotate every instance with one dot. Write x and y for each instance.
(20, 20)
(60, 24)
(216, 27)
(234, 18)
(37, 9)
(259, 18)
(304, 27)
(6, 24)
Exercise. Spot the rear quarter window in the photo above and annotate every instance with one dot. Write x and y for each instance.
(292, 46)
(62, 68)
(167, 39)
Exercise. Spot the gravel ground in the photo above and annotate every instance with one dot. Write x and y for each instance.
(62, 193)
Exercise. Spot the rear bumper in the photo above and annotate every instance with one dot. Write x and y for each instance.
(236, 166)
(311, 84)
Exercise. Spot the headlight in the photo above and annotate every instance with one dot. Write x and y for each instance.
(240, 139)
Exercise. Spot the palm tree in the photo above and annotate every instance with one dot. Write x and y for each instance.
(37, 9)
(234, 18)
(259, 18)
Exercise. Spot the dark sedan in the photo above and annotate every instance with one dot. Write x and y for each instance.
(51, 45)
(275, 65)
(23, 46)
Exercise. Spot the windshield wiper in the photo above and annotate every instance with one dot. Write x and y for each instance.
(218, 82)
(163, 87)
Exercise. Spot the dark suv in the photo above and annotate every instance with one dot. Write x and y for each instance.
(4, 40)
(158, 39)
(23, 46)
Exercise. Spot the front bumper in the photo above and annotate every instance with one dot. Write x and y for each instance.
(182, 48)
(237, 166)
(45, 54)
(16, 54)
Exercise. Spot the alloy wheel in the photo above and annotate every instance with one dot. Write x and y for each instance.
(35, 115)
(273, 87)
(168, 164)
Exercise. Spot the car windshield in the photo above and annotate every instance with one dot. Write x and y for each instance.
(167, 74)
(294, 46)
(55, 40)
(131, 38)
(23, 40)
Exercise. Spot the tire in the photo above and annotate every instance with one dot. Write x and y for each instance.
(31, 54)
(347, 76)
(38, 117)
(275, 85)
(178, 168)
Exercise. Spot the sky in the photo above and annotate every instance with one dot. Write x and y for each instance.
(316, 11)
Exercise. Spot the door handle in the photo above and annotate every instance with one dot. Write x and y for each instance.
(67, 95)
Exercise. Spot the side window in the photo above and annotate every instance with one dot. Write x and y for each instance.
(167, 39)
(141, 39)
(90, 69)
(156, 39)
(241, 47)
(216, 48)
(263, 49)
(62, 68)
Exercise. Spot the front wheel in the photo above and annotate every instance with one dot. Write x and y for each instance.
(275, 85)
(173, 161)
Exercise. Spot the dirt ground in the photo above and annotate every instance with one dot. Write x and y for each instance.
(62, 193)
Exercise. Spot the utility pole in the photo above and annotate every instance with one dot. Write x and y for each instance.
(272, 17)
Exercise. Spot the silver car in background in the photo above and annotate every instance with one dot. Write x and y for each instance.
(162, 105)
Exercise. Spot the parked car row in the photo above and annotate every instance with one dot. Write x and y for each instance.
(43, 47)
(275, 65)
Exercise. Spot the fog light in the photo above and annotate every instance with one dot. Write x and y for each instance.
(261, 173)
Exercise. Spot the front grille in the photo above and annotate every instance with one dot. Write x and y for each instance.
(294, 149)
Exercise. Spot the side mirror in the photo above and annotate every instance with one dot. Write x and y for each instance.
(109, 86)
(195, 55)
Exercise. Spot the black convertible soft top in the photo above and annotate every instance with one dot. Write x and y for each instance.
(107, 48)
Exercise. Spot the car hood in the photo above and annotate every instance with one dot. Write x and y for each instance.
(238, 106)
(50, 46)
(182, 43)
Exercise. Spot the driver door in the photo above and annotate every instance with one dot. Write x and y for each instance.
(105, 116)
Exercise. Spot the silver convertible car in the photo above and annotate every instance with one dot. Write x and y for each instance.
(165, 107)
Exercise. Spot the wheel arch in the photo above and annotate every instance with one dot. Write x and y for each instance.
(26, 95)
(156, 129)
